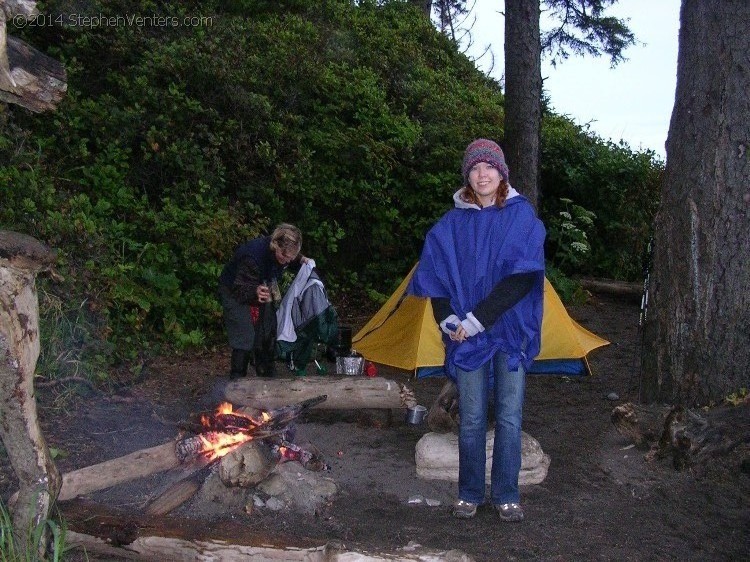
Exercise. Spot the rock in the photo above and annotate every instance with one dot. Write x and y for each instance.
(247, 465)
(302, 490)
(436, 456)
(613, 396)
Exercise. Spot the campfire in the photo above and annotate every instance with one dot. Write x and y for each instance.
(244, 447)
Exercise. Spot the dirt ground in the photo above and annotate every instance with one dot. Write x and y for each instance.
(600, 500)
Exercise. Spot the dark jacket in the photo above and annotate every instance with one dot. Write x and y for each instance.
(253, 264)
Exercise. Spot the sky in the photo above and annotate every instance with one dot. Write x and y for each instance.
(632, 102)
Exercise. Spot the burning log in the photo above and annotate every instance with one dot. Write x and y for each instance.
(342, 393)
(311, 460)
(201, 448)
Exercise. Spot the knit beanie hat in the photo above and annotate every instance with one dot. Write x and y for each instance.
(483, 150)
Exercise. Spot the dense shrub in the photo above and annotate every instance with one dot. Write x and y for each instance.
(620, 186)
(176, 143)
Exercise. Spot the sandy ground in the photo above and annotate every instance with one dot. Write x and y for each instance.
(600, 500)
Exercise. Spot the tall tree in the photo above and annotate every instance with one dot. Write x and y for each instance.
(697, 334)
(584, 29)
(523, 94)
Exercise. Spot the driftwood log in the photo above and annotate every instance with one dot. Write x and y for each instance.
(629, 290)
(28, 77)
(138, 464)
(21, 258)
(118, 471)
(114, 534)
(691, 439)
(343, 393)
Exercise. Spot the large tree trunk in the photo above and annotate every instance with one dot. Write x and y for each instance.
(523, 95)
(21, 258)
(698, 331)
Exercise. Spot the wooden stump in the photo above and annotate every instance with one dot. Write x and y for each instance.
(436, 456)
(443, 415)
(643, 425)
(689, 438)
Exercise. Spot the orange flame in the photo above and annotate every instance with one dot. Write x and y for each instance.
(217, 444)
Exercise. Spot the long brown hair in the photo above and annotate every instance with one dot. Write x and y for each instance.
(468, 195)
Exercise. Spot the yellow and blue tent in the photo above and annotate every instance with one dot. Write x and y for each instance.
(403, 334)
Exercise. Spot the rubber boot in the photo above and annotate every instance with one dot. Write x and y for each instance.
(265, 368)
(240, 360)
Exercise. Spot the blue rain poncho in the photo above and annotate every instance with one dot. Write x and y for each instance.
(466, 253)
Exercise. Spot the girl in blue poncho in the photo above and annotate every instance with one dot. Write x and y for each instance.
(483, 268)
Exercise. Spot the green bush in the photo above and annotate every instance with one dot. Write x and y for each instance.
(175, 144)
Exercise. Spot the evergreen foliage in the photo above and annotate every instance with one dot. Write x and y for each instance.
(176, 142)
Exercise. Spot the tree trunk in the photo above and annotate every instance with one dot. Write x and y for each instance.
(21, 258)
(523, 95)
(424, 5)
(696, 336)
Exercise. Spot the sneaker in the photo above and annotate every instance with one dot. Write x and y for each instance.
(509, 511)
(464, 510)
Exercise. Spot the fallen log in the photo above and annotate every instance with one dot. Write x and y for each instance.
(28, 77)
(105, 531)
(630, 290)
(170, 548)
(117, 535)
(117, 471)
(343, 393)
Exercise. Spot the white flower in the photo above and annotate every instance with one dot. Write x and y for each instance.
(579, 247)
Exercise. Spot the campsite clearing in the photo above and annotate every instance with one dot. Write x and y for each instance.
(600, 500)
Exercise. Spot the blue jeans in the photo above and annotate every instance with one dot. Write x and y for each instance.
(473, 398)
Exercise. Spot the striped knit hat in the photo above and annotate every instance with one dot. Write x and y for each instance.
(483, 150)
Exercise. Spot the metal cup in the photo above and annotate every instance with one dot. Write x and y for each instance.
(415, 415)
